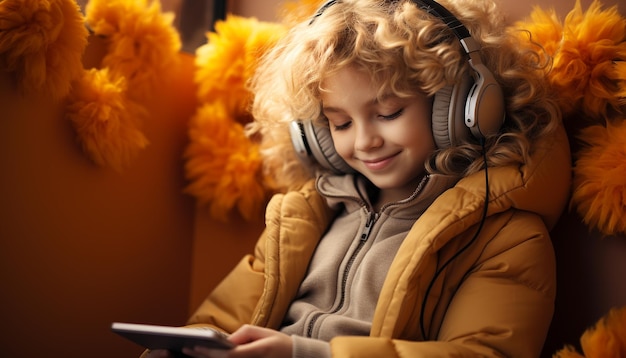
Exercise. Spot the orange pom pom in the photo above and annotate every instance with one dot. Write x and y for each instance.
(568, 352)
(606, 339)
(600, 178)
(105, 120)
(545, 29)
(584, 66)
(223, 165)
(584, 49)
(143, 43)
(227, 61)
(42, 43)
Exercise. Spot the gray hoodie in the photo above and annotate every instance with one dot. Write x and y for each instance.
(340, 291)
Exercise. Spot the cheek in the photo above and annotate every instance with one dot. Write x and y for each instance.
(413, 135)
(422, 131)
(343, 143)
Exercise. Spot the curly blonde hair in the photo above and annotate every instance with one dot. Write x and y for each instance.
(404, 49)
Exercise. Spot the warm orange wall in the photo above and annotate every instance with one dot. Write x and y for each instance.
(81, 245)
(265, 10)
(217, 247)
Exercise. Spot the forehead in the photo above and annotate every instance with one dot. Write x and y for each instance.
(354, 83)
(348, 82)
(353, 78)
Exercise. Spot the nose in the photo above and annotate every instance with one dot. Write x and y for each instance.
(367, 136)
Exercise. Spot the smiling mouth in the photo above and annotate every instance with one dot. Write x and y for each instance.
(379, 164)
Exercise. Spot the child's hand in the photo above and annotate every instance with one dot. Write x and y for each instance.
(251, 342)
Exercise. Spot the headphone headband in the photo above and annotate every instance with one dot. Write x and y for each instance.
(446, 16)
(474, 106)
(321, 10)
(429, 6)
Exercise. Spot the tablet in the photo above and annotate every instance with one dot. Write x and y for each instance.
(172, 338)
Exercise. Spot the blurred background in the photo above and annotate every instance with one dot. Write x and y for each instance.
(82, 246)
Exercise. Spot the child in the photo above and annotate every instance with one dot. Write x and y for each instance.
(439, 166)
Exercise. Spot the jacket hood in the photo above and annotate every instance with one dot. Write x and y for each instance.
(541, 186)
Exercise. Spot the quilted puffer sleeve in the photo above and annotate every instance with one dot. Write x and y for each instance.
(258, 290)
(502, 307)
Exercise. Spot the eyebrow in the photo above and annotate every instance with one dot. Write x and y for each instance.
(331, 109)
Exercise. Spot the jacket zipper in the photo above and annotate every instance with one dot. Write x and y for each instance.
(372, 216)
(365, 234)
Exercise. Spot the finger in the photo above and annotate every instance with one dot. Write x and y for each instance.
(249, 333)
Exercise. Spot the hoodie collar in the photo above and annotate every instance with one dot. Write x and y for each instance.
(353, 191)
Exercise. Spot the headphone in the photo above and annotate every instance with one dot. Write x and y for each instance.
(472, 107)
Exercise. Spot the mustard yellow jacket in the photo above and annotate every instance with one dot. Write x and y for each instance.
(494, 299)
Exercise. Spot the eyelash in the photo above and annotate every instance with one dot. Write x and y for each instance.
(343, 126)
(393, 115)
(388, 118)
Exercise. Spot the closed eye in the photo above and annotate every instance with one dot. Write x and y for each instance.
(346, 125)
(393, 115)
(342, 126)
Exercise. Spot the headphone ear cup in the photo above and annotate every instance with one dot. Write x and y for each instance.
(315, 144)
(484, 108)
(300, 142)
(448, 117)
(323, 149)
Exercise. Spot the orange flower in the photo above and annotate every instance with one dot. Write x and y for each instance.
(143, 43)
(600, 178)
(589, 76)
(584, 72)
(41, 43)
(105, 120)
(606, 339)
(227, 61)
(223, 164)
(545, 28)
(584, 66)
(584, 50)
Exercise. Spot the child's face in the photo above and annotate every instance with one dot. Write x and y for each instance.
(387, 141)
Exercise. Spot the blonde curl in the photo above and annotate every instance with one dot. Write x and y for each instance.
(404, 50)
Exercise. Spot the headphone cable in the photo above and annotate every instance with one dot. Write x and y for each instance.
(458, 253)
